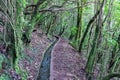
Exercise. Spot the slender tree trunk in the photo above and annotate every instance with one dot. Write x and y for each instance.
(79, 19)
(92, 54)
(89, 25)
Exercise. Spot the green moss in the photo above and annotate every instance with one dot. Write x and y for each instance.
(1, 60)
(21, 71)
(4, 77)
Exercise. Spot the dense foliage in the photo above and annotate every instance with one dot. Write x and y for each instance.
(91, 26)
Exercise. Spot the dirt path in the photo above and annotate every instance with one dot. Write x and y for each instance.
(34, 54)
(66, 64)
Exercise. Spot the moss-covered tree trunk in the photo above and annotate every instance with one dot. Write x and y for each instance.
(79, 18)
(93, 53)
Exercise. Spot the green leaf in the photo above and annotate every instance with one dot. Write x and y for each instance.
(24, 2)
(111, 42)
(73, 30)
(35, 1)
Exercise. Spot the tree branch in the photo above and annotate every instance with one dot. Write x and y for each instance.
(36, 5)
(56, 8)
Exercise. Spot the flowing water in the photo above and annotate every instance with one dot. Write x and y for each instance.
(44, 71)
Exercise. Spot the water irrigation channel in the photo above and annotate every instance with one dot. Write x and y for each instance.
(44, 71)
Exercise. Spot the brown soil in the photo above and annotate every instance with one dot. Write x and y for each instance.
(34, 53)
(66, 64)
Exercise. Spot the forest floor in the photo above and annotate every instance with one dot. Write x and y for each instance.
(35, 53)
(66, 63)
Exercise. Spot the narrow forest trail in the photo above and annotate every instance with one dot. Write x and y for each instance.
(34, 54)
(66, 64)
(58, 61)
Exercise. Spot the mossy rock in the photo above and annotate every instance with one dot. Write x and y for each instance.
(4, 75)
(2, 59)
